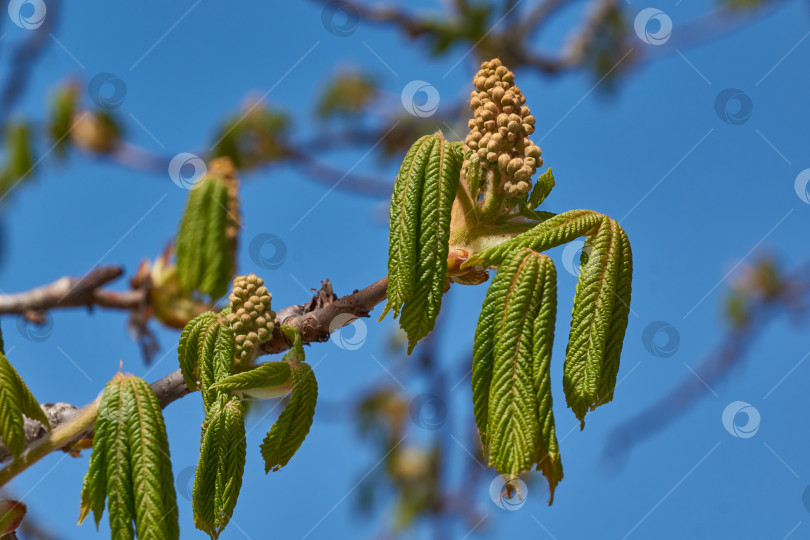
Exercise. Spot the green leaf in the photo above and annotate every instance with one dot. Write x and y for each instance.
(94, 487)
(216, 360)
(221, 465)
(152, 479)
(512, 424)
(16, 400)
(296, 352)
(548, 450)
(204, 259)
(553, 232)
(130, 464)
(483, 352)
(599, 319)
(511, 368)
(544, 185)
(619, 319)
(191, 237)
(269, 374)
(188, 348)
(403, 236)
(292, 425)
(440, 185)
(218, 265)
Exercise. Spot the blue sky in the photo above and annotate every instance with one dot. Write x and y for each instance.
(699, 197)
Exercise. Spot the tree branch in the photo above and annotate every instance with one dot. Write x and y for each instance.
(315, 320)
(69, 292)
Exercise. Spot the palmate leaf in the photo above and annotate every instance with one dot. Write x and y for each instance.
(555, 231)
(130, 464)
(218, 478)
(16, 400)
(511, 361)
(419, 233)
(599, 319)
(292, 425)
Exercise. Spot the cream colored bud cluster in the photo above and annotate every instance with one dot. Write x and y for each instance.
(500, 130)
(250, 316)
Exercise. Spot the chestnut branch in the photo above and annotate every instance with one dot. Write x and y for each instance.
(315, 320)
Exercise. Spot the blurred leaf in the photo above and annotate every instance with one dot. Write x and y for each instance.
(347, 94)
(253, 138)
(19, 160)
(63, 109)
(96, 132)
(470, 25)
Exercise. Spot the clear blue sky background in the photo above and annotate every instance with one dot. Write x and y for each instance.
(696, 195)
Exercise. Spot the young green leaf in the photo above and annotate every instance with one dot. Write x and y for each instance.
(440, 185)
(188, 348)
(542, 189)
(548, 450)
(265, 381)
(511, 368)
(204, 258)
(191, 237)
(218, 265)
(16, 400)
(553, 232)
(619, 318)
(599, 319)
(216, 359)
(130, 464)
(152, 479)
(221, 465)
(403, 236)
(292, 425)
(513, 428)
(483, 353)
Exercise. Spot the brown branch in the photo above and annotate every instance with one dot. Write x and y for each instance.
(315, 320)
(70, 292)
